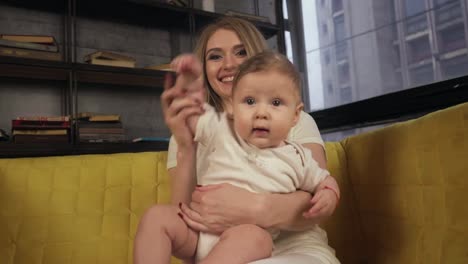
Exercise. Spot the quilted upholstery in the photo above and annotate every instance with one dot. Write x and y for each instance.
(411, 187)
(404, 190)
(76, 209)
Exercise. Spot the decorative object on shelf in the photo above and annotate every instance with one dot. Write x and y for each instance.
(182, 3)
(108, 58)
(248, 16)
(208, 5)
(3, 135)
(150, 139)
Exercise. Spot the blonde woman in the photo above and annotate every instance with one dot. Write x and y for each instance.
(222, 47)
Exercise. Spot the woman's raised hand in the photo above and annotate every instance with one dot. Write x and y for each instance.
(183, 98)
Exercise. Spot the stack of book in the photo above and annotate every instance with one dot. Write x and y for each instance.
(41, 129)
(98, 128)
(30, 46)
(108, 58)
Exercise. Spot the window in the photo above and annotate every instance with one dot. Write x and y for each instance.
(341, 50)
(364, 48)
(396, 57)
(455, 67)
(447, 12)
(419, 49)
(416, 17)
(452, 38)
(324, 29)
(422, 75)
(413, 7)
(343, 73)
(337, 5)
(326, 56)
(330, 87)
(339, 28)
(346, 95)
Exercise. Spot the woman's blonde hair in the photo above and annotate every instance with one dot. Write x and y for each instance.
(248, 34)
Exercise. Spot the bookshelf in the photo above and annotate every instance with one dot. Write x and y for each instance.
(78, 82)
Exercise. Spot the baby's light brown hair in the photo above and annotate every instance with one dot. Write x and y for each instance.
(269, 61)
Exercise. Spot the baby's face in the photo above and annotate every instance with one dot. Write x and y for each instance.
(266, 106)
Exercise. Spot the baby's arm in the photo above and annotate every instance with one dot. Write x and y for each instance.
(325, 188)
(325, 199)
(189, 71)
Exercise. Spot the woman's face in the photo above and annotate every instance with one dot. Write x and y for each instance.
(224, 53)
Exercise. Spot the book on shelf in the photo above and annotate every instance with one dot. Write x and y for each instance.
(248, 16)
(30, 54)
(41, 139)
(29, 38)
(107, 55)
(40, 132)
(39, 124)
(100, 124)
(99, 138)
(95, 117)
(113, 63)
(160, 67)
(43, 118)
(150, 139)
(100, 130)
(29, 45)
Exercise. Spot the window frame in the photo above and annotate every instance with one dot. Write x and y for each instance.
(387, 108)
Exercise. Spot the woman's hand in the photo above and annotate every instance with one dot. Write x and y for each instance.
(183, 98)
(215, 208)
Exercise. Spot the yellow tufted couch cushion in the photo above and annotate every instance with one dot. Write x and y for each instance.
(404, 192)
(76, 209)
(410, 182)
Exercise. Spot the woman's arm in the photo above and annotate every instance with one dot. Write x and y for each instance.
(215, 208)
(181, 102)
(182, 176)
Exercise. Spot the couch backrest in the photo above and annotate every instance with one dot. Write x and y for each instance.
(76, 209)
(411, 188)
(343, 228)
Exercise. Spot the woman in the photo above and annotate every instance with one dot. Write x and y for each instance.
(221, 47)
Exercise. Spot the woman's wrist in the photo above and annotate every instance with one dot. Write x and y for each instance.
(261, 213)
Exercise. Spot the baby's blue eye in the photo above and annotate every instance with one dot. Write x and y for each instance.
(250, 101)
(276, 102)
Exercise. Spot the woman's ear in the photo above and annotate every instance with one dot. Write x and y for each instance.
(297, 113)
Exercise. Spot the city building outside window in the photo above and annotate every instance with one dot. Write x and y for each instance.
(387, 45)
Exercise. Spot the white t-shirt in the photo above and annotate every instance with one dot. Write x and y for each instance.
(311, 242)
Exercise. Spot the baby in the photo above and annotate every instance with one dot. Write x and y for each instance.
(249, 149)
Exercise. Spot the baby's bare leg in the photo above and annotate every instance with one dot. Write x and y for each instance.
(162, 232)
(241, 244)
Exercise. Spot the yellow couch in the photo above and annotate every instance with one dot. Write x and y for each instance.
(404, 194)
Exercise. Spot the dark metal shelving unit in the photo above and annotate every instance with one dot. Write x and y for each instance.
(139, 12)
